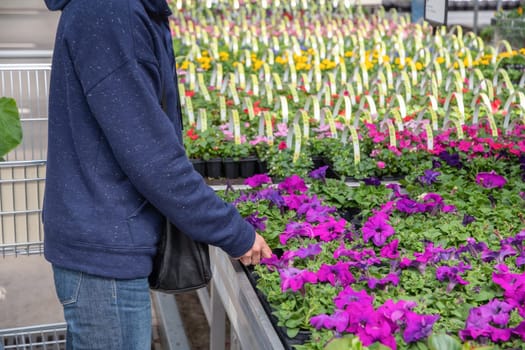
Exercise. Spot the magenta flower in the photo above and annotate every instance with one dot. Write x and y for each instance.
(293, 184)
(490, 180)
(330, 229)
(258, 180)
(349, 295)
(378, 229)
(376, 329)
(374, 283)
(389, 251)
(295, 279)
(337, 275)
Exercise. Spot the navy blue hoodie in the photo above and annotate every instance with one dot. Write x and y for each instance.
(116, 164)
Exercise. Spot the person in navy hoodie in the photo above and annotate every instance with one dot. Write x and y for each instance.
(116, 168)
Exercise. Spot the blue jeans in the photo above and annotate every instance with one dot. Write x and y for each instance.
(104, 313)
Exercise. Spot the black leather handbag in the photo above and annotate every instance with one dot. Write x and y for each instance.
(181, 264)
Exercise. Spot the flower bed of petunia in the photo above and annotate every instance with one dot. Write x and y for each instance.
(434, 261)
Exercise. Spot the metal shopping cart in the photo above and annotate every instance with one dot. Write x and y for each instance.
(22, 177)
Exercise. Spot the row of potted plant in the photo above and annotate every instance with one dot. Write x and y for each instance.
(469, 77)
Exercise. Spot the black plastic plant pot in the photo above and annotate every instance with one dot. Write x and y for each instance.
(318, 162)
(199, 165)
(248, 166)
(214, 168)
(262, 166)
(230, 168)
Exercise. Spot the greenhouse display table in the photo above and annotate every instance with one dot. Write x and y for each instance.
(231, 294)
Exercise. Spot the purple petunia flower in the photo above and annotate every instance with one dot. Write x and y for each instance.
(409, 206)
(319, 173)
(374, 283)
(452, 274)
(296, 229)
(418, 326)
(257, 222)
(338, 321)
(305, 252)
(372, 181)
(478, 323)
(258, 180)
(451, 159)
(467, 219)
(378, 229)
(490, 180)
(295, 279)
(429, 177)
(273, 196)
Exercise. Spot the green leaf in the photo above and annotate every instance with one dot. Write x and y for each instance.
(346, 343)
(443, 342)
(10, 128)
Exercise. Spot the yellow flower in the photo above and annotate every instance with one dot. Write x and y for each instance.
(349, 53)
(311, 51)
(281, 60)
(224, 56)
(386, 58)
(520, 10)
(257, 64)
(205, 53)
(440, 60)
(206, 65)
(522, 51)
(185, 65)
(419, 66)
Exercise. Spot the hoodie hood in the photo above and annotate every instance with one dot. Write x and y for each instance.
(156, 7)
(55, 5)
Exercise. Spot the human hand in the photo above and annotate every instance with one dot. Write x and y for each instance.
(259, 250)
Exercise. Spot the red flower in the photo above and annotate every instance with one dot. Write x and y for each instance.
(282, 145)
(190, 93)
(191, 134)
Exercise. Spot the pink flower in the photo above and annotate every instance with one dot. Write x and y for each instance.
(381, 165)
